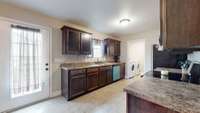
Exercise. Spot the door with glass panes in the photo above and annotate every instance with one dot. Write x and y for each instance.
(24, 64)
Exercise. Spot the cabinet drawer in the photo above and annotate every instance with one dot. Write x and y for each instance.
(106, 68)
(76, 72)
(92, 70)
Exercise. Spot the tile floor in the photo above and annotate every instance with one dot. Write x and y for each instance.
(109, 99)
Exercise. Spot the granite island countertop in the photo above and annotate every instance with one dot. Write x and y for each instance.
(171, 70)
(177, 96)
(71, 66)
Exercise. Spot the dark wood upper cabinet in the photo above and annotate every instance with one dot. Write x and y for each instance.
(180, 25)
(70, 41)
(86, 43)
(75, 41)
(112, 47)
(117, 48)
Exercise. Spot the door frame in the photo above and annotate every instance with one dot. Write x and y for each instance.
(49, 29)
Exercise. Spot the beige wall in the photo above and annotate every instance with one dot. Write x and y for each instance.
(28, 16)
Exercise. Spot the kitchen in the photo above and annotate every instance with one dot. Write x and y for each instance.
(100, 56)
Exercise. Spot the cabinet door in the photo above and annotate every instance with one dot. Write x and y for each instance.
(194, 23)
(180, 23)
(92, 80)
(77, 84)
(111, 48)
(102, 77)
(86, 43)
(73, 42)
(109, 76)
(117, 48)
(122, 68)
(64, 40)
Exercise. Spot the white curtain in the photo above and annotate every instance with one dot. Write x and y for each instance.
(25, 61)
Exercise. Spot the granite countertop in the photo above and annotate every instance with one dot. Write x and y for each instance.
(177, 96)
(171, 70)
(70, 66)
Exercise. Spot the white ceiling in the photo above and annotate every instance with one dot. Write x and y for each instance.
(100, 15)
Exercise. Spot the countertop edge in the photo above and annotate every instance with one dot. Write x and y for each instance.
(91, 66)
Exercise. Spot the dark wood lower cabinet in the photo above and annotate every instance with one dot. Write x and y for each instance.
(80, 81)
(92, 78)
(137, 105)
(122, 70)
(102, 77)
(73, 83)
(109, 75)
(77, 83)
(105, 75)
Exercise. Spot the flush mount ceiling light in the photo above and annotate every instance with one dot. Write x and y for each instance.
(124, 22)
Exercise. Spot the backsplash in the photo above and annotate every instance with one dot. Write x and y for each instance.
(79, 58)
(57, 61)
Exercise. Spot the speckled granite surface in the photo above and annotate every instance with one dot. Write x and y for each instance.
(171, 70)
(70, 66)
(178, 96)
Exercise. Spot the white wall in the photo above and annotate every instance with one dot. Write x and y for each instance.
(151, 39)
(136, 52)
(140, 47)
(195, 56)
(29, 16)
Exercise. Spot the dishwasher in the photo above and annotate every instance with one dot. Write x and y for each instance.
(116, 72)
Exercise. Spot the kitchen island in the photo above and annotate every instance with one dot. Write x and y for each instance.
(154, 95)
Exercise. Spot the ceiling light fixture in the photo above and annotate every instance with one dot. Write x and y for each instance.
(124, 22)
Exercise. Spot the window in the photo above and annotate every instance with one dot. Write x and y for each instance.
(98, 48)
(25, 60)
